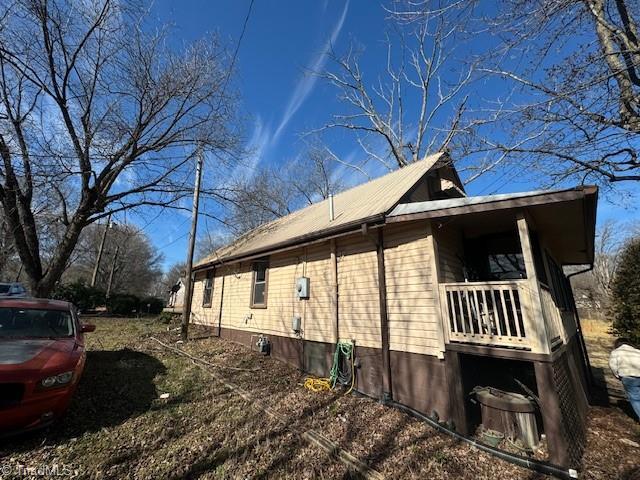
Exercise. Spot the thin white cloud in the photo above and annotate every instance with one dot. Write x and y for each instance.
(308, 81)
(257, 145)
(263, 138)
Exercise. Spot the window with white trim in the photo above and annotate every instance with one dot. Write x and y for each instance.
(259, 284)
(208, 289)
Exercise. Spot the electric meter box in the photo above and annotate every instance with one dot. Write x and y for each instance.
(302, 287)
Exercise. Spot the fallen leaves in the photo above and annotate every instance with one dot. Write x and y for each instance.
(142, 412)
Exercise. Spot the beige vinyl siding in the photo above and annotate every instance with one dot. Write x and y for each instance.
(281, 301)
(358, 299)
(411, 303)
(206, 315)
(450, 252)
(411, 300)
(317, 317)
(237, 288)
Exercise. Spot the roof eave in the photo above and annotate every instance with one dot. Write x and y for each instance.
(521, 202)
(294, 242)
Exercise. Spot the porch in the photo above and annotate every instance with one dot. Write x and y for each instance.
(513, 293)
(500, 265)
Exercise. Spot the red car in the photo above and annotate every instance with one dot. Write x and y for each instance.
(42, 356)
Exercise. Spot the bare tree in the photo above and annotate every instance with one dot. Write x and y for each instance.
(256, 199)
(569, 73)
(207, 243)
(417, 106)
(276, 191)
(313, 175)
(595, 285)
(608, 246)
(128, 253)
(98, 115)
(175, 273)
(170, 277)
(7, 249)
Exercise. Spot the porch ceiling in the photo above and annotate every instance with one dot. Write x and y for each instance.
(566, 218)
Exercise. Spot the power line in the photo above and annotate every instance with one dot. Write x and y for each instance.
(231, 67)
(235, 53)
(174, 241)
(186, 312)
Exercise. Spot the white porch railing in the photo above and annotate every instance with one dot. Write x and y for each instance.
(488, 313)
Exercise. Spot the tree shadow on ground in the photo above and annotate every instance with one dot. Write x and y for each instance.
(216, 455)
(115, 386)
(632, 473)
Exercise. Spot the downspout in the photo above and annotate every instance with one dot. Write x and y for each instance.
(583, 345)
(335, 293)
(387, 391)
(220, 309)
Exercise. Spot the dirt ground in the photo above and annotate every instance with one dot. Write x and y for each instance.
(599, 345)
(119, 426)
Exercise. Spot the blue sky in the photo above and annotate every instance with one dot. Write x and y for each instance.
(284, 41)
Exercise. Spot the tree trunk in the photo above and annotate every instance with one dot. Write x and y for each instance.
(41, 281)
(45, 285)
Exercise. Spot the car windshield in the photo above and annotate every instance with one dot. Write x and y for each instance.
(31, 322)
(4, 288)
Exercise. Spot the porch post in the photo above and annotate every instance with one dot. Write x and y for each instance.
(533, 302)
(551, 413)
(443, 333)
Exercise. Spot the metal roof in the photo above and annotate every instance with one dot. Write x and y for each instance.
(354, 206)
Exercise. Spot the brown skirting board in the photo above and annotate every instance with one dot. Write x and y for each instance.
(419, 381)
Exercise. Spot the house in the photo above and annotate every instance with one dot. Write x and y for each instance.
(176, 296)
(439, 292)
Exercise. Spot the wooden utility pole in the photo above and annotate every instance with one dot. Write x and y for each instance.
(100, 250)
(188, 289)
(113, 268)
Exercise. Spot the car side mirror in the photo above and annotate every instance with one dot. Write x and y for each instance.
(86, 327)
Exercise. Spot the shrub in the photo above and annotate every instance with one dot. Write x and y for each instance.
(123, 304)
(167, 317)
(625, 293)
(152, 305)
(81, 295)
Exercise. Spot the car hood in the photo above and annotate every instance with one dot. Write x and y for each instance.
(18, 351)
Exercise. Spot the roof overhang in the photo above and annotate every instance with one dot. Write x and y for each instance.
(302, 240)
(567, 218)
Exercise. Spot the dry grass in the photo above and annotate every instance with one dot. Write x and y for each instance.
(599, 340)
(596, 328)
(118, 427)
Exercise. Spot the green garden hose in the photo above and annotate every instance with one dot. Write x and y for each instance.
(336, 374)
